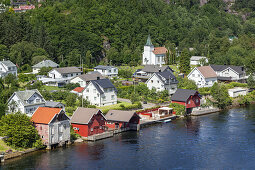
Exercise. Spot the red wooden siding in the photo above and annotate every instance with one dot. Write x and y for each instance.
(112, 124)
(193, 101)
(97, 123)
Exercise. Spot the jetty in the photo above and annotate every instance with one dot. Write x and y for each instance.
(204, 111)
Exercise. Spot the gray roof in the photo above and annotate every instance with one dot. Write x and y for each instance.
(26, 94)
(46, 63)
(104, 67)
(65, 70)
(83, 115)
(149, 43)
(155, 68)
(182, 95)
(119, 115)
(238, 69)
(103, 83)
(167, 75)
(8, 63)
(52, 104)
(91, 76)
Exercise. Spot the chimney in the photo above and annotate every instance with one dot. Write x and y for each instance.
(98, 78)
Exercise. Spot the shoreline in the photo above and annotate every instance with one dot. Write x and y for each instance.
(19, 154)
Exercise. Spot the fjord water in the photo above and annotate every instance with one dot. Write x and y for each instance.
(224, 140)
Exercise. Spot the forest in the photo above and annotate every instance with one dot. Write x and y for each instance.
(114, 32)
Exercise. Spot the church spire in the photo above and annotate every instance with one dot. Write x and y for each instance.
(149, 43)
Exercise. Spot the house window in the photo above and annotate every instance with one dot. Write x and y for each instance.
(42, 137)
(87, 90)
(94, 90)
(104, 98)
(52, 131)
(158, 81)
(95, 98)
(110, 71)
(114, 70)
(37, 100)
(189, 102)
(100, 127)
(71, 75)
(158, 59)
(87, 97)
(196, 100)
(41, 128)
(91, 129)
(151, 81)
(103, 71)
(102, 118)
(113, 97)
(193, 75)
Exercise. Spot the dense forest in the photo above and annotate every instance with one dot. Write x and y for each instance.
(115, 31)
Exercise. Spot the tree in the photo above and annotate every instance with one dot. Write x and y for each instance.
(4, 52)
(220, 95)
(3, 108)
(88, 58)
(19, 130)
(251, 81)
(44, 71)
(71, 99)
(38, 59)
(185, 61)
(74, 58)
(185, 83)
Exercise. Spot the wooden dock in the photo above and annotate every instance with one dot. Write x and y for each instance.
(204, 112)
(155, 121)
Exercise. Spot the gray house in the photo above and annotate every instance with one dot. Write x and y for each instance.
(7, 67)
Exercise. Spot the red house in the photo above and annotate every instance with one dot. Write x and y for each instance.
(88, 121)
(119, 119)
(187, 98)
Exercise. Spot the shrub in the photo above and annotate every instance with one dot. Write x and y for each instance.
(178, 108)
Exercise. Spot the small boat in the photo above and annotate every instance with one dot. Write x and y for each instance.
(167, 120)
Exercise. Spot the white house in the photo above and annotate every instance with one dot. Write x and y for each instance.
(45, 63)
(153, 55)
(100, 92)
(108, 71)
(163, 81)
(61, 76)
(197, 60)
(7, 67)
(230, 73)
(84, 79)
(203, 76)
(25, 101)
(144, 74)
(235, 92)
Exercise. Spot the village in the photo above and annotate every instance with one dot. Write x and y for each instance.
(93, 104)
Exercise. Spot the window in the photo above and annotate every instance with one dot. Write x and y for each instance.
(37, 100)
(102, 118)
(110, 71)
(41, 128)
(95, 98)
(94, 90)
(42, 137)
(87, 90)
(115, 70)
(151, 81)
(193, 75)
(103, 71)
(52, 131)
(113, 97)
(196, 100)
(158, 81)
(91, 129)
(71, 75)
(87, 97)
(158, 59)
(189, 102)
(104, 98)
(100, 127)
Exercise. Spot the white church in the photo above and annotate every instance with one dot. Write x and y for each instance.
(153, 55)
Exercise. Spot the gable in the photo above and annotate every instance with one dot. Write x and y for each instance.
(229, 70)
(60, 117)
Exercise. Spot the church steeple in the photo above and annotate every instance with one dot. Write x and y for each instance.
(149, 43)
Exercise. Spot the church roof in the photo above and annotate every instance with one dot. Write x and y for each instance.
(160, 50)
(149, 43)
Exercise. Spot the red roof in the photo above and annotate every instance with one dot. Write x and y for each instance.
(24, 7)
(78, 89)
(160, 50)
(44, 114)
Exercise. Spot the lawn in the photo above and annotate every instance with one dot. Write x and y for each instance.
(131, 68)
(50, 88)
(105, 109)
(3, 146)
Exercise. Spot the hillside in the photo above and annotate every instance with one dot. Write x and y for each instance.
(64, 30)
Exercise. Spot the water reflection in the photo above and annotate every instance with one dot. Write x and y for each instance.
(219, 141)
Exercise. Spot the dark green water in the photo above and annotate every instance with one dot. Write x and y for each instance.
(224, 140)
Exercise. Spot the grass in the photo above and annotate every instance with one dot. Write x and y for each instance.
(50, 88)
(131, 68)
(114, 107)
(4, 147)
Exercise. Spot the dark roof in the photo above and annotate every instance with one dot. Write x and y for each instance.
(119, 115)
(83, 115)
(104, 67)
(91, 76)
(64, 70)
(238, 69)
(155, 68)
(52, 104)
(166, 75)
(224, 78)
(182, 95)
(103, 83)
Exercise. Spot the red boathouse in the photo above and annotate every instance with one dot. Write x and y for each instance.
(188, 98)
(88, 121)
(119, 119)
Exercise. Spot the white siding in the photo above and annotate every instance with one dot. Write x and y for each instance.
(78, 80)
(59, 132)
(199, 79)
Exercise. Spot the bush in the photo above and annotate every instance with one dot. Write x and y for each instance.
(20, 131)
(178, 108)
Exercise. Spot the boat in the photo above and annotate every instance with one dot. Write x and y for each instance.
(167, 120)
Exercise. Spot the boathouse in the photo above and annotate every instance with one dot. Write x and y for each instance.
(88, 121)
(119, 119)
(53, 125)
(188, 98)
